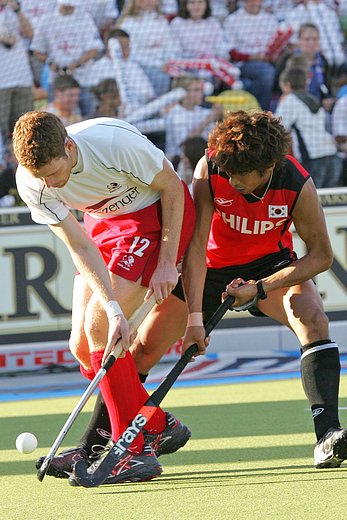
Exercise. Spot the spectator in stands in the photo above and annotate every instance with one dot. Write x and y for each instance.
(103, 12)
(34, 10)
(65, 103)
(327, 21)
(192, 149)
(248, 32)
(136, 88)
(188, 118)
(198, 34)
(319, 84)
(151, 43)
(339, 128)
(108, 98)
(68, 40)
(16, 78)
(303, 115)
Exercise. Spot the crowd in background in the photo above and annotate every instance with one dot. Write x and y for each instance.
(173, 68)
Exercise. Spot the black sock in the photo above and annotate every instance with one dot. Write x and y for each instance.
(143, 377)
(320, 374)
(98, 431)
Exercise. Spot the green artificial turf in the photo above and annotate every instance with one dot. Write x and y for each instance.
(250, 458)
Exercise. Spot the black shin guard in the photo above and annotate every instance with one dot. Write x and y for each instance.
(320, 374)
(98, 431)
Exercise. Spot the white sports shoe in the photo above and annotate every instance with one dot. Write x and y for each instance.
(331, 450)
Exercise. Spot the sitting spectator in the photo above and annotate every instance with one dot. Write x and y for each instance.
(198, 34)
(302, 113)
(65, 103)
(16, 80)
(319, 84)
(136, 88)
(68, 40)
(192, 149)
(248, 32)
(151, 43)
(326, 19)
(34, 10)
(188, 118)
(339, 128)
(108, 98)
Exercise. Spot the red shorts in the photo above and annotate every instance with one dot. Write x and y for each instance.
(130, 243)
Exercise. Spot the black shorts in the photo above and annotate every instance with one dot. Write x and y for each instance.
(217, 279)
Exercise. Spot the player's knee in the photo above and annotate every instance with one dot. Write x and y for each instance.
(92, 329)
(316, 323)
(144, 355)
(79, 349)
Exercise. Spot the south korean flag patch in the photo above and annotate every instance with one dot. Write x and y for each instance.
(278, 211)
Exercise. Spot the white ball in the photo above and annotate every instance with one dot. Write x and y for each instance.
(26, 442)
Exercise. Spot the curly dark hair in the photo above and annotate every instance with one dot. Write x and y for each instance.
(244, 142)
(38, 137)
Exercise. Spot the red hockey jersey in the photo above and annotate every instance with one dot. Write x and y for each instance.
(245, 228)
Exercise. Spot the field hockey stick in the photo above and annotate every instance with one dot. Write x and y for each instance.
(98, 476)
(134, 322)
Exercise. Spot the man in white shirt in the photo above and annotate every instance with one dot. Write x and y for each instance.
(139, 218)
(68, 40)
(134, 85)
(16, 80)
(248, 32)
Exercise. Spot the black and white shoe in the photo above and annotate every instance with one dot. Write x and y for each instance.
(62, 464)
(331, 450)
(174, 437)
(131, 467)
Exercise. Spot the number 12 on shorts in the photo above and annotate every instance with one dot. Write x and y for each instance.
(138, 246)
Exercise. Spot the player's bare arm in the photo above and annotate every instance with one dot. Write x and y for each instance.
(90, 264)
(171, 191)
(194, 264)
(309, 222)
